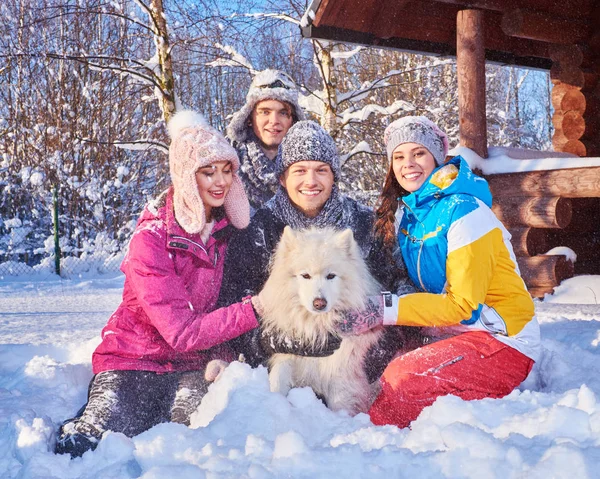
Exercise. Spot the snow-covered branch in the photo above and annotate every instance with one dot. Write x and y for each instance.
(235, 59)
(352, 116)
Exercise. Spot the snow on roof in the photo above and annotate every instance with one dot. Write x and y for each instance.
(511, 160)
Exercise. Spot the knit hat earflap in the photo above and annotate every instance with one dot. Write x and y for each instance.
(307, 141)
(195, 144)
(267, 85)
(416, 129)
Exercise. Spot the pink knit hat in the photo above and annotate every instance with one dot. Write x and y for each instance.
(195, 144)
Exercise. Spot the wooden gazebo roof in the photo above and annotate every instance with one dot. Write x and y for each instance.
(562, 36)
(518, 32)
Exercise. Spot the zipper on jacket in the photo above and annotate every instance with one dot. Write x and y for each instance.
(419, 266)
(190, 241)
(216, 258)
(414, 239)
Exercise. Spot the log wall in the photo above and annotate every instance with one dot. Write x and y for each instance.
(546, 209)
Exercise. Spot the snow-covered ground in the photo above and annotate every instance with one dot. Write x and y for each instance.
(550, 428)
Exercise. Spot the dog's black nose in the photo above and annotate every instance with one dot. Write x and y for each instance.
(319, 304)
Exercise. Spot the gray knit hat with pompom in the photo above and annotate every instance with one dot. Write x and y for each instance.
(307, 141)
(420, 130)
(267, 85)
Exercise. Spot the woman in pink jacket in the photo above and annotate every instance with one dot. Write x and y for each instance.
(149, 367)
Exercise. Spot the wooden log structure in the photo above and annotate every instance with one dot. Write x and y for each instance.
(528, 241)
(535, 25)
(470, 64)
(534, 211)
(567, 183)
(567, 98)
(545, 270)
(541, 209)
(540, 291)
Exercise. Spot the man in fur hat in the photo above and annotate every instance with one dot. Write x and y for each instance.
(258, 128)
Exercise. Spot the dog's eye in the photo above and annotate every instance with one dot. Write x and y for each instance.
(330, 276)
(305, 276)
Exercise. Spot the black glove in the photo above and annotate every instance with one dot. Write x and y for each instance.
(259, 345)
(392, 341)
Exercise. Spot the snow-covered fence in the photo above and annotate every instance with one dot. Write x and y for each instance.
(73, 264)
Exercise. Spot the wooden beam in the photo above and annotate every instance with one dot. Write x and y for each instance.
(545, 270)
(528, 241)
(470, 62)
(575, 147)
(568, 98)
(534, 211)
(570, 123)
(568, 8)
(535, 25)
(569, 74)
(566, 54)
(568, 183)
(403, 30)
(540, 291)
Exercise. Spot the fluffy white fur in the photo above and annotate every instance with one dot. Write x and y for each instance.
(309, 268)
(185, 119)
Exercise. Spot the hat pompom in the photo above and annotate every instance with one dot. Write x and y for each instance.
(185, 119)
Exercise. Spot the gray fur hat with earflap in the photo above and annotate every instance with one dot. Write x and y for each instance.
(195, 144)
(266, 85)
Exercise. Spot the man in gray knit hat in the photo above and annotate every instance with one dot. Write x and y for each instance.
(257, 129)
(308, 170)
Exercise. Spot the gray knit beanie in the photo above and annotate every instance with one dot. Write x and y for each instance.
(267, 85)
(307, 141)
(416, 129)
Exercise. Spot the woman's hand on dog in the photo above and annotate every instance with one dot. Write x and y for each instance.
(361, 321)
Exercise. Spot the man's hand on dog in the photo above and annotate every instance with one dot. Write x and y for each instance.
(361, 321)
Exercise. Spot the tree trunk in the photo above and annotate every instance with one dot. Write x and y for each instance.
(163, 51)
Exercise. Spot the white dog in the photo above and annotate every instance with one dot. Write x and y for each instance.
(315, 274)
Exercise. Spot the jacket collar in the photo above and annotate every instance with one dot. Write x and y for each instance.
(453, 177)
(178, 238)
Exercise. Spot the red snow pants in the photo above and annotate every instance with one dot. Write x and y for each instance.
(472, 365)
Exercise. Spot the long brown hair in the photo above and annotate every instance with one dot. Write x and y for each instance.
(386, 210)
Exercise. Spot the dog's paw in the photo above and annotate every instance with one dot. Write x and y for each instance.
(214, 369)
(280, 378)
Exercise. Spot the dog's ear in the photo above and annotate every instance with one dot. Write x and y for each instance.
(288, 238)
(345, 241)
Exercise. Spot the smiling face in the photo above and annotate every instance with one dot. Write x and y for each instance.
(271, 119)
(412, 164)
(308, 185)
(213, 183)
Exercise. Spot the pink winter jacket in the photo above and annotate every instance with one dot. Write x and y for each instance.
(166, 321)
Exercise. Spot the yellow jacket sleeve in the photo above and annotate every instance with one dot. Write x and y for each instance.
(469, 272)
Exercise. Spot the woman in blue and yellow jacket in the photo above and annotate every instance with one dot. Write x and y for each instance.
(472, 299)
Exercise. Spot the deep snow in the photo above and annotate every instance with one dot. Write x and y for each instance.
(548, 428)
